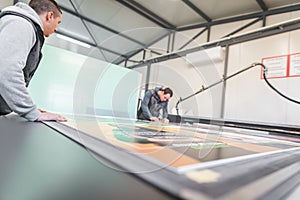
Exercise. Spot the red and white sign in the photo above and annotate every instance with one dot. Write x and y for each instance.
(295, 64)
(282, 66)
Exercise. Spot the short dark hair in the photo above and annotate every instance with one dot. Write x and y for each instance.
(168, 91)
(42, 6)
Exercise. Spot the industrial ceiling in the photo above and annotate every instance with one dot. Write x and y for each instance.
(117, 30)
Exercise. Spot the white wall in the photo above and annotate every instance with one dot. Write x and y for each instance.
(247, 98)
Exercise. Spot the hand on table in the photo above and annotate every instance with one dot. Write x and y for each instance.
(47, 116)
(165, 120)
(154, 119)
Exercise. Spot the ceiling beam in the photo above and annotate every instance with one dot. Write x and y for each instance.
(99, 25)
(208, 24)
(197, 10)
(90, 43)
(85, 41)
(139, 50)
(138, 8)
(193, 38)
(243, 27)
(257, 34)
(243, 17)
(262, 5)
(83, 22)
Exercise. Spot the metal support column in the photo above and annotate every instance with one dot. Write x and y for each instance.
(224, 83)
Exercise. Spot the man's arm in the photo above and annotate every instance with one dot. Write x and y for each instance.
(14, 48)
(145, 103)
(12, 61)
(165, 110)
(165, 113)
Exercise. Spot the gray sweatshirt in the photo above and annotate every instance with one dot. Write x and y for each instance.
(17, 37)
(151, 105)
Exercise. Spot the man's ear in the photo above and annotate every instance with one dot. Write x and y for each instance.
(49, 15)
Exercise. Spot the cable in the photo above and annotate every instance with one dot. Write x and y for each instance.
(228, 77)
(271, 86)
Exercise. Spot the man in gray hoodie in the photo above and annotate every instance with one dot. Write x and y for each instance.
(22, 31)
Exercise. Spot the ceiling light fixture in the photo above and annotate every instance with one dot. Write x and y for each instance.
(73, 40)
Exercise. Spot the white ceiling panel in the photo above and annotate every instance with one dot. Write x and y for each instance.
(120, 44)
(125, 19)
(146, 35)
(104, 55)
(108, 13)
(73, 26)
(280, 3)
(174, 11)
(100, 11)
(216, 9)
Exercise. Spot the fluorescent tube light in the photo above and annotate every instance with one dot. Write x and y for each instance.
(73, 40)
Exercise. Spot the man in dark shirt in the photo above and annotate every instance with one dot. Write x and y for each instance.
(154, 101)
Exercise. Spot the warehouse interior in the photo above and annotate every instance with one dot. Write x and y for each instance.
(233, 67)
